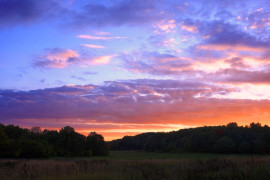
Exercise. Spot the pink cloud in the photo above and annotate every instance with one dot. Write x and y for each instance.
(93, 46)
(102, 59)
(62, 58)
(57, 58)
(99, 37)
(62, 55)
(166, 27)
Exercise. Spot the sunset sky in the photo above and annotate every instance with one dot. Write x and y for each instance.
(124, 67)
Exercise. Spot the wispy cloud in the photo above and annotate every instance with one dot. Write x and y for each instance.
(93, 46)
(99, 37)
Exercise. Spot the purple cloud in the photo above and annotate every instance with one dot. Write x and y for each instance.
(243, 76)
(156, 63)
(221, 33)
(115, 101)
(125, 12)
(14, 12)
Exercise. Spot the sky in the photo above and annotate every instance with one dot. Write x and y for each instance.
(124, 67)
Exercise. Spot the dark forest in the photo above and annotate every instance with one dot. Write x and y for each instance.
(16, 142)
(231, 138)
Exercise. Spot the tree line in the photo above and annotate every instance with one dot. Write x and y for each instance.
(231, 138)
(16, 142)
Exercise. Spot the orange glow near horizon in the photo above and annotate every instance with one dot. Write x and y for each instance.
(135, 129)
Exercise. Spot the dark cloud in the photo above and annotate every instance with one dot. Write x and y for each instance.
(118, 13)
(14, 12)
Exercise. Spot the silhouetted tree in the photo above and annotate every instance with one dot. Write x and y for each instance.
(96, 144)
(16, 142)
(70, 142)
(231, 138)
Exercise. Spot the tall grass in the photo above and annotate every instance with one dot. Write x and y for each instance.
(230, 168)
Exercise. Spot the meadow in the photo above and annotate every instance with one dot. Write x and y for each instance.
(133, 165)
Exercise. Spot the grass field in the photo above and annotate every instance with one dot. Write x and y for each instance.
(128, 165)
(141, 155)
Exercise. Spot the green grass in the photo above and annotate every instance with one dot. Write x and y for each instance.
(132, 165)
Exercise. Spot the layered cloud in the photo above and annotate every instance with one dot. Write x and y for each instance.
(128, 105)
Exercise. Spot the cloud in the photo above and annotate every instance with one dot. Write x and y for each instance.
(90, 73)
(101, 33)
(102, 59)
(189, 26)
(228, 36)
(98, 37)
(126, 12)
(26, 11)
(99, 102)
(229, 47)
(78, 78)
(243, 76)
(62, 58)
(164, 26)
(259, 19)
(57, 58)
(237, 62)
(141, 101)
(93, 46)
(156, 63)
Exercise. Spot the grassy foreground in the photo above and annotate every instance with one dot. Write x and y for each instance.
(140, 165)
